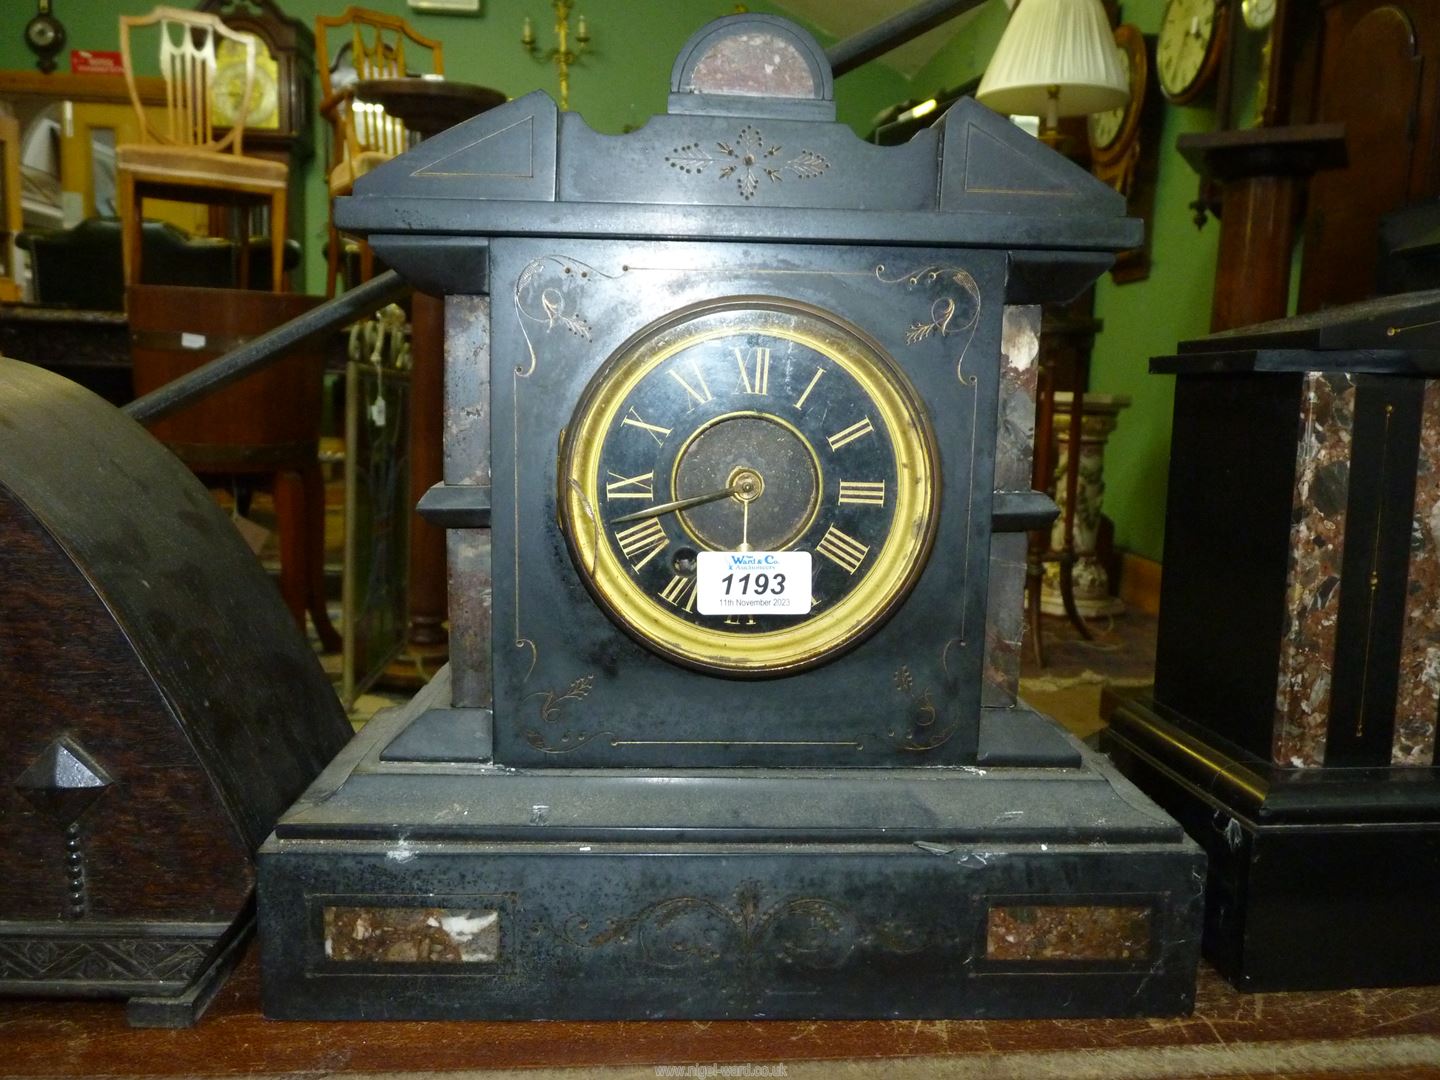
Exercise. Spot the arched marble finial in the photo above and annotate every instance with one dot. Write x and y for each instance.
(753, 65)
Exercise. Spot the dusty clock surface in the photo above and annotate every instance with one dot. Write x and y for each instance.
(749, 426)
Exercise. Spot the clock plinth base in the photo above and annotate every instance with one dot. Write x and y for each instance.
(1037, 883)
(1316, 881)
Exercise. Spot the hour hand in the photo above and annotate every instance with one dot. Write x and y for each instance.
(677, 504)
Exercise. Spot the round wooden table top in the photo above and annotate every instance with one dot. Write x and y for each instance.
(428, 106)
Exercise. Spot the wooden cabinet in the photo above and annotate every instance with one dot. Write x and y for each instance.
(1376, 69)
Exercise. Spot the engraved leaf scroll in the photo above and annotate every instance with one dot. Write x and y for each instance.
(924, 730)
(954, 312)
(547, 298)
(554, 735)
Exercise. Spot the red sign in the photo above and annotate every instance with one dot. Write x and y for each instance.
(95, 62)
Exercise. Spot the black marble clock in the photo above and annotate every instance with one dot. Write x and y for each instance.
(738, 412)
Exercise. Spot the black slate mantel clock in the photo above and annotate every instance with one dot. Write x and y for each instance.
(739, 412)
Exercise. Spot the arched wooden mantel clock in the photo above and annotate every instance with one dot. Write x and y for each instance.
(739, 410)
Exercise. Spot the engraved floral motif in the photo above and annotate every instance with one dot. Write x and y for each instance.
(921, 733)
(554, 699)
(552, 708)
(684, 931)
(956, 311)
(748, 159)
(547, 294)
(950, 313)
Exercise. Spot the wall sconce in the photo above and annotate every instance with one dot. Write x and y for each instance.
(561, 55)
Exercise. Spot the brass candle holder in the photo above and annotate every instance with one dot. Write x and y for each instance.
(562, 56)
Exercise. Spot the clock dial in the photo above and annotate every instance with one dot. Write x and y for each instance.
(749, 426)
(1115, 135)
(1259, 14)
(1188, 48)
(41, 32)
(1105, 127)
(228, 87)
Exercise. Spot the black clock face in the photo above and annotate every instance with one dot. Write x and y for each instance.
(753, 428)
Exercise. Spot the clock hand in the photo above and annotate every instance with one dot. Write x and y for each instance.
(745, 525)
(678, 504)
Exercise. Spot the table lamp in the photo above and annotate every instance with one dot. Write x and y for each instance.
(1056, 58)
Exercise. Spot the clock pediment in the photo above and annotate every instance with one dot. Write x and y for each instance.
(734, 157)
(974, 178)
(989, 163)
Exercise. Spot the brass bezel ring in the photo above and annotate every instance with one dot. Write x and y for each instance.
(895, 567)
(756, 414)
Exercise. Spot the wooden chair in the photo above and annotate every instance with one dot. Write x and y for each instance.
(180, 157)
(366, 45)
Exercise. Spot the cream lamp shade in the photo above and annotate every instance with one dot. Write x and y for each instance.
(1056, 58)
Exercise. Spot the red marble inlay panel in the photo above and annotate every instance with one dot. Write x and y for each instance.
(1312, 586)
(754, 64)
(1061, 932)
(1014, 453)
(412, 935)
(1417, 703)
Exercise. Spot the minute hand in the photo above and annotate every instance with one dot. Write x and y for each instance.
(678, 504)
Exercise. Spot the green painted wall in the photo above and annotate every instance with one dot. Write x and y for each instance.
(1141, 319)
(622, 81)
(1146, 318)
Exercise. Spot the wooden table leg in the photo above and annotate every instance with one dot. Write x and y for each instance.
(313, 483)
(1042, 479)
(427, 403)
(1072, 499)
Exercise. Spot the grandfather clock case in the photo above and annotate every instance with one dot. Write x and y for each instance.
(737, 337)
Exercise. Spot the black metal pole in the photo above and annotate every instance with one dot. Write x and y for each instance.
(863, 47)
(269, 347)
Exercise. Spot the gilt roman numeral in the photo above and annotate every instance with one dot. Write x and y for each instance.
(680, 592)
(702, 395)
(800, 404)
(634, 487)
(862, 492)
(850, 434)
(844, 551)
(754, 370)
(658, 433)
(647, 538)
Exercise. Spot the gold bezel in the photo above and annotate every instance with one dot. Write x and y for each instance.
(895, 567)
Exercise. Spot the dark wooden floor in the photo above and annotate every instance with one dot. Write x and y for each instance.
(1393, 1032)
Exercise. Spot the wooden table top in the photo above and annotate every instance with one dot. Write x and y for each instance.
(429, 106)
(1387, 1032)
